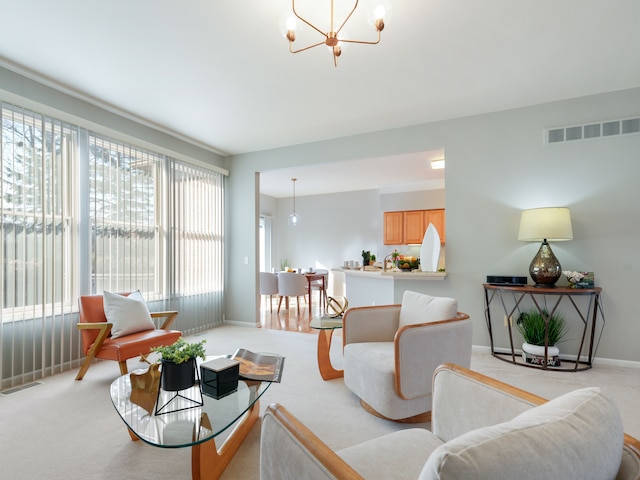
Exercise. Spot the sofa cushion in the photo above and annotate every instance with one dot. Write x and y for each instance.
(398, 455)
(128, 314)
(577, 435)
(421, 308)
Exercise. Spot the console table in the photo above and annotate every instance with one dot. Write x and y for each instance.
(585, 303)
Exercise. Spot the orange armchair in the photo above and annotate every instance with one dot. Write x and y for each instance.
(97, 341)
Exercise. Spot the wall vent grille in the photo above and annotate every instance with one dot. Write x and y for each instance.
(11, 391)
(588, 131)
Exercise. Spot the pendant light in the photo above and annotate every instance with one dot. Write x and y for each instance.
(293, 217)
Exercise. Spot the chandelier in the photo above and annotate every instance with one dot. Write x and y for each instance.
(291, 23)
(293, 217)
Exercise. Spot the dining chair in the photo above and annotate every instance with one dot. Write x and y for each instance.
(321, 286)
(291, 285)
(268, 286)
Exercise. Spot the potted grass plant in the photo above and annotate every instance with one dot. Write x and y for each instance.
(178, 362)
(532, 326)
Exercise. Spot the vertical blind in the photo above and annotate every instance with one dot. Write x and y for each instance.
(38, 276)
(138, 220)
(197, 238)
(124, 218)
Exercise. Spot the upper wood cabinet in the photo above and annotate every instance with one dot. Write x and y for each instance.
(402, 228)
(393, 234)
(437, 218)
(414, 226)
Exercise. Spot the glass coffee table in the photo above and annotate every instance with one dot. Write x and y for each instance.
(231, 417)
(326, 325)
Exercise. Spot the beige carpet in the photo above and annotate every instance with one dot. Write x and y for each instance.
(63, 429)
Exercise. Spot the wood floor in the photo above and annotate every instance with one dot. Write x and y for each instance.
(295, 319)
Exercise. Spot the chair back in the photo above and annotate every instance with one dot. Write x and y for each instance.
(292, 284)
(91, 311)
(268, 283)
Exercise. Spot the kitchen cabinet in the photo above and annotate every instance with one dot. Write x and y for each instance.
(437, 218)
(414, 226)
(393, 233)
(408, 227)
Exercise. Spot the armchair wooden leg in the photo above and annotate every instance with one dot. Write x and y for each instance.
(123, 367)
(279, 304)
(84, 367)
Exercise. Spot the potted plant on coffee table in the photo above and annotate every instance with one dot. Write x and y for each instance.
(532, 326)
(179, 364)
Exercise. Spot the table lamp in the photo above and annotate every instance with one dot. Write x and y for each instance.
(545, 224)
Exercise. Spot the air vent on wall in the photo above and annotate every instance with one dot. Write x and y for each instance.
(20, 388)
(608, 128)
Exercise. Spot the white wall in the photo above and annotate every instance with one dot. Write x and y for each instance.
(338, 227)
(497, 165)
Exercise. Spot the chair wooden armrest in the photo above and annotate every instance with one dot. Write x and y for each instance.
(271, 452)
(632, 444)
(171, 316)
(376, 323)
(104, 329)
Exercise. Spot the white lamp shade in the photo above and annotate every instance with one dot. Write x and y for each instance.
(552, 224)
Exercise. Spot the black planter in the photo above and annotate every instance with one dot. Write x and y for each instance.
(178, 376)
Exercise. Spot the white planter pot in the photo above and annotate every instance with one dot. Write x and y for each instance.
(552, 350)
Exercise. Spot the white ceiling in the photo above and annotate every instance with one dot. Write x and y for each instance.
(219, 73)
(410, 172)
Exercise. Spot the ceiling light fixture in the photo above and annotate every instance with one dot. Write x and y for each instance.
(437, 164)
(291, 23)
(293, 217)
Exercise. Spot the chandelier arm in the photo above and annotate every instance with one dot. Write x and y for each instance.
(293, 8)
(364, 42)
(346, 19)
(305, 48)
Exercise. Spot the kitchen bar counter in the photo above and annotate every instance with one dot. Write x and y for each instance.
(375, 287)
(413, 275)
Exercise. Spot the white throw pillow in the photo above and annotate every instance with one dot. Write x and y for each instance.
(576, 435)
(128, 314)
(421, 308)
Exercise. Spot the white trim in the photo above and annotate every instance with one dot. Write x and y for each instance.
(610, 362)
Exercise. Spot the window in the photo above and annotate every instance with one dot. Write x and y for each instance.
(37, 211)
(197, 229)
(124, 211)
(83, 213)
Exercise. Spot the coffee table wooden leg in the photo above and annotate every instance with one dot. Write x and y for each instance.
(208, 462)
(327, 372)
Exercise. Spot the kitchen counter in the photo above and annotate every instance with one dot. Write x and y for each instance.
(396, 273)
(375, 287)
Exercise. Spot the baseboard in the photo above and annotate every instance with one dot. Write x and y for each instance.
(610, 362)
(236, 323)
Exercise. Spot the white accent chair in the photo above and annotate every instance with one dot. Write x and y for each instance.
(269, 286)
(391, 352)
(481, 428)
(291, 285)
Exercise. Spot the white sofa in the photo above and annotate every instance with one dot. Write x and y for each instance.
(391, 352)
(481, 428)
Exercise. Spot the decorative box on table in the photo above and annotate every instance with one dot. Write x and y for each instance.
(219, 377)
(552, 360)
